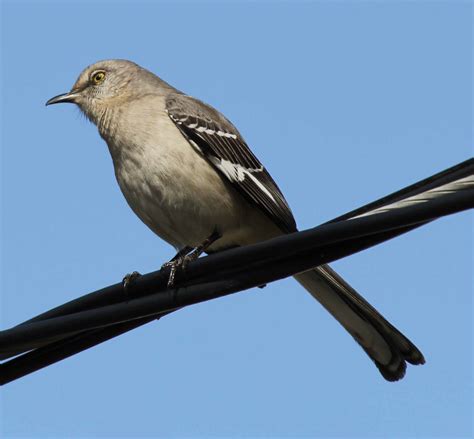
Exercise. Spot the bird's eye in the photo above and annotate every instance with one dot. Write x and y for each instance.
(98, 77)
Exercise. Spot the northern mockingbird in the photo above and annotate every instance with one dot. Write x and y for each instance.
(188, 174)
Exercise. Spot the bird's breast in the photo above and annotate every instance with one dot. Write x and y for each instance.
(170, 186)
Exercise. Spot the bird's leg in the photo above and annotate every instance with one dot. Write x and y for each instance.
(201, 248)
(188, 254)
(177, 258)
(183, 252)
(175, 262)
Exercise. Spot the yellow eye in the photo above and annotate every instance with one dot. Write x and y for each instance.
(98, 77)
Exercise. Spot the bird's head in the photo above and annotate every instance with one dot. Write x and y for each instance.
(102, 85)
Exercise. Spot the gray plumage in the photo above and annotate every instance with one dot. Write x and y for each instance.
(187, 172)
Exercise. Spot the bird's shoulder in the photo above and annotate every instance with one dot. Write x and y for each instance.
(191, 107)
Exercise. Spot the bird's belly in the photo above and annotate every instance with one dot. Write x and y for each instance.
(181, 198)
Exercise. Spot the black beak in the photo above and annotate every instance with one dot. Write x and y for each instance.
(65, 97)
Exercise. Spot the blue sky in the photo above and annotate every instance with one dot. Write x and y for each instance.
(344, 102)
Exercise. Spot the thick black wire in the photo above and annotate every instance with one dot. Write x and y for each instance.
(106, 313)
(249, 266)
(115, 294)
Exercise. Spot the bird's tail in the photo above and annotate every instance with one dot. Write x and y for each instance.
(388, 348)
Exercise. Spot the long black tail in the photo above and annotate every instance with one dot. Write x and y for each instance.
(388, 348)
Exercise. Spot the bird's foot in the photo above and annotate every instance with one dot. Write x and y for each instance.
(174, 264)
(186, 255)
(179, 263)
(128, 280)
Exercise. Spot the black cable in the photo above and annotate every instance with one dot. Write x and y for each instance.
(101, 315)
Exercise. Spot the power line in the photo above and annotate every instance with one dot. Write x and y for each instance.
(106, 313)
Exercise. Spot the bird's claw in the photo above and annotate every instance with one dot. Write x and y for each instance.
(128, 280)
(173, 265)
(178, 263)
(186, 255)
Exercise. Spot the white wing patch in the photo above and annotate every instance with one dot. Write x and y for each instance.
(212, 132)
(238, 173)
(201, 129)
(261, 186)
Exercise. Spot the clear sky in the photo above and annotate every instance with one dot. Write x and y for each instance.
(344, 102)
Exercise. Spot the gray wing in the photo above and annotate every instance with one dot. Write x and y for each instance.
(222, 145)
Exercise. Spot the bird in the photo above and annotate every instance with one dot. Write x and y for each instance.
(189, 175)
